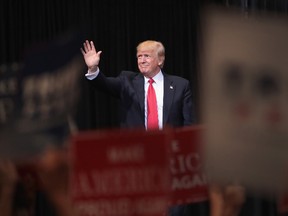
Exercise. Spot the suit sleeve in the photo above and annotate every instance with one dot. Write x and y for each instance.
(110, 85)
(188, 111)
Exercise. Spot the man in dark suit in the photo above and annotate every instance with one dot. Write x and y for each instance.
(173, 93)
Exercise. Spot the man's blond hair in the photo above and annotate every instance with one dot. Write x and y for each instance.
(156, 46)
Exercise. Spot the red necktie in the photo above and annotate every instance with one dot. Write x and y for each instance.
(152, 113)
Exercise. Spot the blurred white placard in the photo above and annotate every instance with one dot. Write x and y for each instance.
(245, 98)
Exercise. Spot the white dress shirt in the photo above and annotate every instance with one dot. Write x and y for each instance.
(158, 85)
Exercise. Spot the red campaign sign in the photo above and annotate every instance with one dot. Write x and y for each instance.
(188, 182)
(120, 172)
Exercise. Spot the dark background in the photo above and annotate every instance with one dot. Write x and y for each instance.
(116, 27)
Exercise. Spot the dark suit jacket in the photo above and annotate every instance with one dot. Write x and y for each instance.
(177, 107)
(129, 88)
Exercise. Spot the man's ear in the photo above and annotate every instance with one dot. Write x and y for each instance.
(160, 62)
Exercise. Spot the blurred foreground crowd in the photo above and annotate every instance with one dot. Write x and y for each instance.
(22, 187)
(25, 188)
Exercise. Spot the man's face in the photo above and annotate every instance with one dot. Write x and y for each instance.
(148, 62)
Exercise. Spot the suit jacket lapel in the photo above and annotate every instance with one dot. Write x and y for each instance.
(138, 83)
(169, 89)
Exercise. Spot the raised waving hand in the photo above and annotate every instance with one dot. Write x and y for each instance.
(91, 56)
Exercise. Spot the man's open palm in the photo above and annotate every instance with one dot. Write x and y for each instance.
(90, 54)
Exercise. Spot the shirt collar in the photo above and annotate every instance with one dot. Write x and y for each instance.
(157, 78)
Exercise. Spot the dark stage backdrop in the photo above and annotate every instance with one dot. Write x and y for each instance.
(116, 27)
